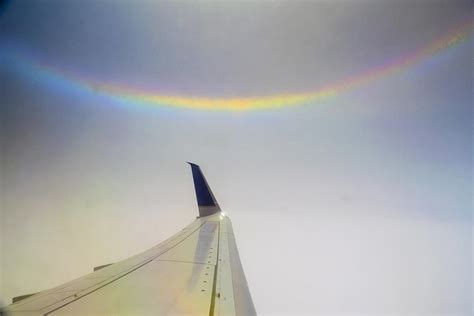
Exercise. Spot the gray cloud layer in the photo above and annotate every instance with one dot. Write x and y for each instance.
(357, 205)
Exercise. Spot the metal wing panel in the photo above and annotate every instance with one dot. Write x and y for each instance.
(158, 288)
(197, 271)
(186, 241)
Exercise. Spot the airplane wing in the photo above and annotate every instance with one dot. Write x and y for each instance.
(195, 272)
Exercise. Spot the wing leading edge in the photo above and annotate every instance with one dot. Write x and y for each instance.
(197, 271)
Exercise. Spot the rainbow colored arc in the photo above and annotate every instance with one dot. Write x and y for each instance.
(150, 98)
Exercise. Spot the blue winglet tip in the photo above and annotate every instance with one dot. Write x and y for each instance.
(206, 201)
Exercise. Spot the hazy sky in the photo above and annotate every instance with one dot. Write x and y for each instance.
(358, 204)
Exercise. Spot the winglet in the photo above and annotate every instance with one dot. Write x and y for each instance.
(207, 203)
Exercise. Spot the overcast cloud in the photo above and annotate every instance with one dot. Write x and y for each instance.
(357, 205)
